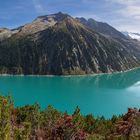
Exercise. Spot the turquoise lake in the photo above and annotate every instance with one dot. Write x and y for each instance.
(105, 95)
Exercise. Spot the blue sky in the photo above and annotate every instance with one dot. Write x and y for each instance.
(122, 14)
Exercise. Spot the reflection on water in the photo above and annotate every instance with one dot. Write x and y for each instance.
(117, 81)
(135, 88)
(106, 94)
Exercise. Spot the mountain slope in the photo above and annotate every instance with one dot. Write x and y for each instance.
(101, 27)
(59, 44)
(108, 31)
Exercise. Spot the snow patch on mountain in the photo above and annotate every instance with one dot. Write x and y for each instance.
(132, 35)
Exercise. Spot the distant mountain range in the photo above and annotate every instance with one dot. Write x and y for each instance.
(131, 35)
(59, 44)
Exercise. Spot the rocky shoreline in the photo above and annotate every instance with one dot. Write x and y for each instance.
(84, 75)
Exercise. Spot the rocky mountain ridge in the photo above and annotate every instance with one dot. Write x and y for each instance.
(59, 44)
(101, 27)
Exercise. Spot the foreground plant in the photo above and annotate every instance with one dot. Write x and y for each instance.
(30, 123)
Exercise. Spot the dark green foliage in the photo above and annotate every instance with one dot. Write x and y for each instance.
(5, 117)
(28, 114)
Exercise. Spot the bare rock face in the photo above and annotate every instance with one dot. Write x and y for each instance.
(59, 44)
(6, 33)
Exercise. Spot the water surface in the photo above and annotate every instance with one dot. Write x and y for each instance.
(100, 95)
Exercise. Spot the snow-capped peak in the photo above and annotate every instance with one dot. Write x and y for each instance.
(132, 35)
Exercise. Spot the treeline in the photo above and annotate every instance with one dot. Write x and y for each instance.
(31, 123)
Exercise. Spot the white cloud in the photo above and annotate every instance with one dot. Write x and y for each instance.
(124, 2)
(38, 6)
(131, 8)
(132, 11)
(128, 13)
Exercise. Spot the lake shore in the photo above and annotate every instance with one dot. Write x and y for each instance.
(83, 75)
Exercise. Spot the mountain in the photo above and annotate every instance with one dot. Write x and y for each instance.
(5, 33)
(59, 44)
(109, 31)
(132, 35)
(101, 27)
